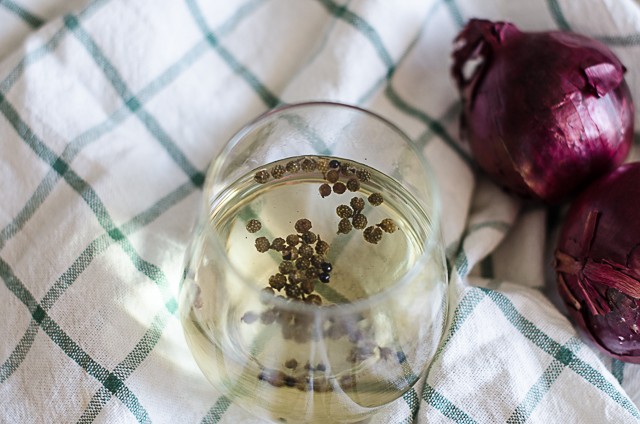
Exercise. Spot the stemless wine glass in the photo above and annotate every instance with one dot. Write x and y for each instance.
(315, 287)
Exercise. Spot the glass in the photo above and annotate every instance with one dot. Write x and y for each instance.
(315, 286)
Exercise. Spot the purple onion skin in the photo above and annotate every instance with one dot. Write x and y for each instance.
(545, 113)
(597, 262)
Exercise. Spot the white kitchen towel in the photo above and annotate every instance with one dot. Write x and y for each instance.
(110, 112)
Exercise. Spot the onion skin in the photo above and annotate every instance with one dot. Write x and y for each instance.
(544, 113)
(597, 261)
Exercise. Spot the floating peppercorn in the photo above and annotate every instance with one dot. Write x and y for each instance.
(363, 175)
(277, 281)
(286, 267)
(290, 254)
(292, 166)
(322, 165)
(322, 247)
(332, 176)
(347, 169)
(293, 239)
(307, 286)
(357, 203)
(387, 225)
(326, 267)
(261, 176)
(344, 211)
(302, 225)
(297, 276)
(266, 294)
(291, 364)
(339, 188)
(375, 199)
(353, 184)
(314, 299)
(249, 317)
(372, 234)
(253, 225)
(273, 377)
(325, 190)
(324, 277)
(262, 244)
(317, 260)
(344, 226)
(268, 317)
(306, 251)
(321, 367)
(278, 244)
(278, 171)
(293, 291)
(359, 221)
(311, 274)
(309, 237)
(308, 165)
(334, 164)
(303, 263)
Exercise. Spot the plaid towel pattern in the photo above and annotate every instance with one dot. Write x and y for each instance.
(111, 110)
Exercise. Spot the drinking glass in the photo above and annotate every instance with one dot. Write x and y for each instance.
(315, 287)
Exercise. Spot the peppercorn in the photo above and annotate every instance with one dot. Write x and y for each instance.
(324, 277)
(291, 364)
(322, 165)
(332, 176)
(292, 166)
(303, 225)
(359, 221)
(286, 267)
(322, 247)
(372, 234)
(344, 226)
(326, 267)
(278, 171)
(347, 169)
(253, 225)
(261, 176)
(297, 276)
(375, 199)
(262, 244)
(339, 188)
(278, 244)
(321, 367)
(290, 253)
(314, 299)
(311, 273)
(363, 175)
(293, 291)
(325, 190)
(277, 281)
(357, 203)
(293, 239)
(303, 263)
(334, 164)
(267, 317)
(317, 260)
(306, 251)
(387, 225)
(273, 377)
(307, 286)
(266, 294)
(308, 165)
(309, 237)
(249, 317)
(353, 184)
(344, 211)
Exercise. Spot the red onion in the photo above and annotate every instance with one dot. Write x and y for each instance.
(598, 262)
(544, 112)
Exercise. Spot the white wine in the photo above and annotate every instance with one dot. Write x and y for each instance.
(314, 290)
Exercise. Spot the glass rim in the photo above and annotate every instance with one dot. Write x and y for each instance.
(357, 304)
